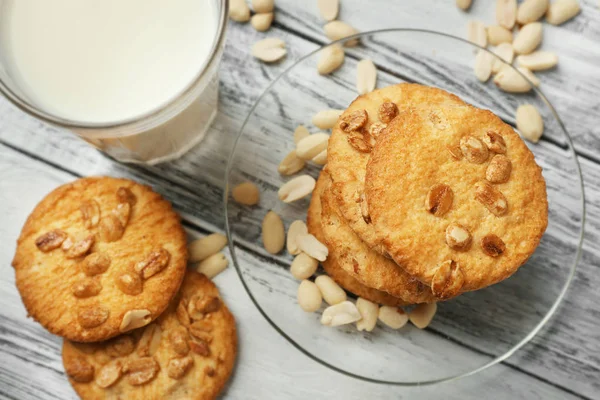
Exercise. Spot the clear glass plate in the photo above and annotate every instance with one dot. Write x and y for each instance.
(469, 333)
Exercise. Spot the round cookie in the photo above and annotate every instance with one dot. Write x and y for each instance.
(460, 203)
(98, 257)
(365, 265)
(352, 140)
(332, 265)
(187, 353)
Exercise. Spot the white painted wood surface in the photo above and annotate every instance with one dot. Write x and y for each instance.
(562, 362)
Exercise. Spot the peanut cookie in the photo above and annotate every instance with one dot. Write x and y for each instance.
(365, 265)
(187, 353)
(459, 202)
(98, 257)
(353, 138)
(332, 264)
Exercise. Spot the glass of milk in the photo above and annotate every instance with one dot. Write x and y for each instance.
(135, 78)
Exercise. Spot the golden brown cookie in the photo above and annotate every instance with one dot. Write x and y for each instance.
(352, 140)
(458, 202)
(98, 257)
(187, 353)
(332, 265)
(365, 265)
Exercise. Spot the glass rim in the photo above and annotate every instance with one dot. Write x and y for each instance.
(484, 366)
(159, 111)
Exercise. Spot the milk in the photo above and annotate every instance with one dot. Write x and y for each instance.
(104, 61)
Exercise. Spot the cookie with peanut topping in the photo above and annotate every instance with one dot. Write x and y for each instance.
(352, 140)
(333, 264)
(370, 269)
(187, 353)
(98, 257)
(461, 203)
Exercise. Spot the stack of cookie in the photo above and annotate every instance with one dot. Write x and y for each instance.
(425, 197)
(102, 263)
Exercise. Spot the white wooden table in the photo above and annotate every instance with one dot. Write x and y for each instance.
(563, 362)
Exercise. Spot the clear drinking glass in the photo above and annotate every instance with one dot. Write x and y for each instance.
(162, 134)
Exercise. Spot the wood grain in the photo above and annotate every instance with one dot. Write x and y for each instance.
(573, 84)
(29, 351)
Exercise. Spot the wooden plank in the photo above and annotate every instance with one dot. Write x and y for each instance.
(176, 196)
(204, 165)
(268, 367)
(572, 87)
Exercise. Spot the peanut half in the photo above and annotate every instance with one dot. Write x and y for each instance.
(499, 169)
(463, 4)
(458, 237)
(326, 119)
(531, 11)
(311, 146)
(561, 11)
(439, 199)
(369, 312)
(506, 13)
(329, 9)
(135, 319)
(354, 121)
(263, 6)
(393, 317)
(497, 34)
(90, 211)
(296, 228)
(331, 58)
(262, 22)
(491, 198)
(422, 315)
(311, 246)
(296, 188)
(340, 314)
(476, 33)
(528, 38)
(473, 149)
(483, 65)
(336, 30)
(205, 247)
(273, 233)
(492, 245)
(309, 296)
(448, 280)
(366, 76)
(95, 263)
(269, 50)
(538, 60)
(303, 266)
(213, 265)
(387, 112)
(331, 291)
(239, 11)
(109, 374)
(291, 164)
(78, 369)
(246, 193)
(50, 240)
(529, 122)
(509, 80)
(494, 142)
